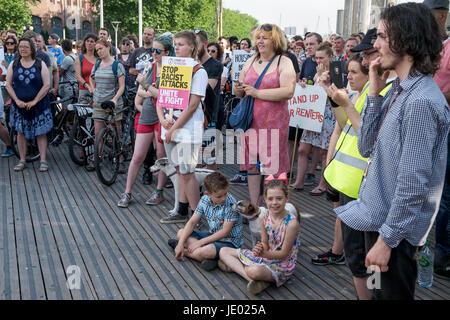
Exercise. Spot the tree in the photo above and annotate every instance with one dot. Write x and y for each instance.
(15, 14)
(174, 16)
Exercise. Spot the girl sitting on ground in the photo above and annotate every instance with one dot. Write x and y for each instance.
(273, 259)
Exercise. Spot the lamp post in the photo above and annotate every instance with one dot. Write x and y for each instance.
(115, 25)
(101, 13)
(140, 22)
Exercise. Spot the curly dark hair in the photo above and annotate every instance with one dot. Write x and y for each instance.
(413, 30)
(218, 48)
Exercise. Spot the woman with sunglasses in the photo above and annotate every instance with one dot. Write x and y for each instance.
(10, 52)
(270, 109)
(84, 64)
(147, 124)
(27, 84)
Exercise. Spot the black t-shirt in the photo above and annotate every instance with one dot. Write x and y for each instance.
(309, 69)
(294, 60)
(214, 70)
(140, 55)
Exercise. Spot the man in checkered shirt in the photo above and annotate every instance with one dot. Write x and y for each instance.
(405, 136)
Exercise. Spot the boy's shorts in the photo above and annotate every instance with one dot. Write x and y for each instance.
(183, 155)
(218, 244)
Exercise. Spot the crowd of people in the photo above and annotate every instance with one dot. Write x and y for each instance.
(380, 158)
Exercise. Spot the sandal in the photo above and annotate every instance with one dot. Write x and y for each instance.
(295, 188)
(317, 192)
(43, 167)
(20, 166)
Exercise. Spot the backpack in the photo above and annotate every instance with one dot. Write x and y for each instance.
(206, 112)
(114, 68)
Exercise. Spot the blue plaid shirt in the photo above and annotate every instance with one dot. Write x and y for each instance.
(399, 198)
(216, 215)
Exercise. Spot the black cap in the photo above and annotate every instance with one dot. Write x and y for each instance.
(437, 4)
(367, 42)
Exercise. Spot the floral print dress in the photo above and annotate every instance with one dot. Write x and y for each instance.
(281, 270)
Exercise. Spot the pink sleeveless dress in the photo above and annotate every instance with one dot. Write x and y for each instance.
(270, 146)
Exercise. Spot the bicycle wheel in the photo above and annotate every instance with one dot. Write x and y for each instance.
(106, 155)
(32, 149)
(77, 144)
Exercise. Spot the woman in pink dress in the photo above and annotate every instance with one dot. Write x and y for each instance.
(267, 138)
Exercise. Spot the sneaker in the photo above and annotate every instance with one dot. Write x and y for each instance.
(172, 243)
(309, 179)
(8, 153)
(155, 199)
(147, 177)
(238, 179)
(174, 218)
(256, 286)
(169, 184)
(222, 266)
(328, 258)
(208, 264)
(125, 200)
(91, 164)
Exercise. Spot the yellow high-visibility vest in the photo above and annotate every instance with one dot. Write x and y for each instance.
(345, 171)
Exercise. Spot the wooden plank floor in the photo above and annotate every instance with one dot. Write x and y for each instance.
(50, 222)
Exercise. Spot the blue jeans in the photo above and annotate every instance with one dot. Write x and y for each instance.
(442, 249)
(218, 244)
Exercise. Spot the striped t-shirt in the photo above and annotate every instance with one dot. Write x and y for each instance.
(106, 84)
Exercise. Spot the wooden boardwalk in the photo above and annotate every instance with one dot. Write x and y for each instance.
(50, 222)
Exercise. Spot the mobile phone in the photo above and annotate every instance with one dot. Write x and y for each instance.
(336, 74)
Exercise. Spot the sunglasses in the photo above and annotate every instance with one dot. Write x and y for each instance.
(196, 31)
(212, 51)
(155, 50)
(366, 55)
(266, 27)
(10, 43)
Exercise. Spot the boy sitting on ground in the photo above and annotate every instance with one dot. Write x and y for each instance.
(225, 225)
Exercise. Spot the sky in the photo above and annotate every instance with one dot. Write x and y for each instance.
(297, 13)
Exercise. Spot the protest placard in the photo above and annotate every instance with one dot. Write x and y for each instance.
(239, 59)
(307, 107)
(175, 82)
(2, 57)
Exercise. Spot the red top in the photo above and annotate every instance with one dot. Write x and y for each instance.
(86, 68)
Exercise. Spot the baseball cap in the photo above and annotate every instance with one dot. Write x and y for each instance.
(437, 4)
(367, 42)
(55, 36)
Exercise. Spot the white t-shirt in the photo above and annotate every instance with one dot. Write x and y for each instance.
(192, 131)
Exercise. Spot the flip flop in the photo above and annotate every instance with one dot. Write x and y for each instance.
(43, 166)
(317, 192)
(295, 188)
(20, 166)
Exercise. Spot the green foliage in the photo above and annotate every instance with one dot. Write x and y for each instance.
(237, 24)
(173, 16)
(14, 14)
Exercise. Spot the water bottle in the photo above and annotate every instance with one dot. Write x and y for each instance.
(425, 266)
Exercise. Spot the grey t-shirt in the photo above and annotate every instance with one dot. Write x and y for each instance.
(149, 115)
(69, 67)
(106, 83)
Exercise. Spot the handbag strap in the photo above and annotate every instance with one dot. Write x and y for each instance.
(264, 72)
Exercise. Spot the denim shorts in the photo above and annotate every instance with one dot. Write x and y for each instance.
(218, 244)
(354, 245)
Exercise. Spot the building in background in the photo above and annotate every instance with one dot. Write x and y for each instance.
(361, 15)
(52, 15)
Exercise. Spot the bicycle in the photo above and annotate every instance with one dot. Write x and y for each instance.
(81, 138)
(112, 144)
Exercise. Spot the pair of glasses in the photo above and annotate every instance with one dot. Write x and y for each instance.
(366, 55)
(125, 44)
(266, 27)
(212, 51)
(155, 50)
(196, 31)
(10, 43)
